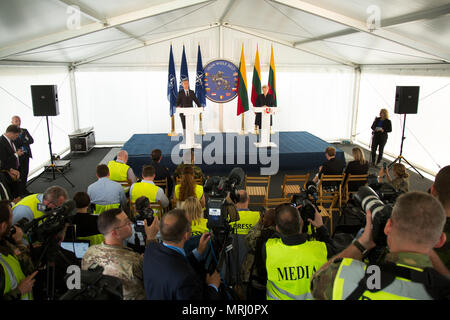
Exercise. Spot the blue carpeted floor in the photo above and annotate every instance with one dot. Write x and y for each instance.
(223, 152)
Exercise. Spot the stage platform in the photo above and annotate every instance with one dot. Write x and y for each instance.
(222, 152)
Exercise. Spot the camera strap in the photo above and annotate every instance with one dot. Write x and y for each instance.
(437, 285)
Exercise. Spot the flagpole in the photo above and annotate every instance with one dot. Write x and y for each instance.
(200, 125)
(172, 125)
(242, 132)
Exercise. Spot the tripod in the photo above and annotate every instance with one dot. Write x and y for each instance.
(52, 163)
(400, 157)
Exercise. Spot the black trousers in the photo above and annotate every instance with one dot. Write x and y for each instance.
(183, 121)
(258, 120)
(378, 142)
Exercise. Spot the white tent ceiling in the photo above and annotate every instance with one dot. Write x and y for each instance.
(309, 31)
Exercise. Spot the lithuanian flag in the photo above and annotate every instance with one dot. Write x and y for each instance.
(256, 81)
(242, 86)
(272, 83)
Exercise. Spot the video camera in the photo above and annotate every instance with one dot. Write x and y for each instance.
(306, 199)
(48, 225)
(95, 286)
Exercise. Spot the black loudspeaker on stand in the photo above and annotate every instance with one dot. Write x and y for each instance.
(406, 101)
(45, 103)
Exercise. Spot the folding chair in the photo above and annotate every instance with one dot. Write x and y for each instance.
(272, 203)
(329, 187)
(288, 188)
(361, 178)
(163, 184)
(257, 187)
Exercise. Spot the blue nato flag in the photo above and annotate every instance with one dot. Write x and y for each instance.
(172, 91)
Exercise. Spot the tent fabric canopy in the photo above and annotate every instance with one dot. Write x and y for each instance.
(337, 62)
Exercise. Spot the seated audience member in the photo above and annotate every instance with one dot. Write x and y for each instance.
(331, 166)
(170, 274)
(294, 249)
(400, 181)
(117, 260)
(52, 198)
(9, 160)
(16, 267)
(161, 172)
(188, 188)
(253, 270)
(148, 188)
(119, 170)
(189, 162)
(247, 218)
(441, 190)
(84, 223)
(358, 166)
(413, 230)
(105, 193)
(194, 210)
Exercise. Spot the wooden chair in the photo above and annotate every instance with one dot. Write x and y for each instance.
(328, 213)
(163, 184)
(352, 178)
(288, 188)
(198, 181)
(126, 184)
(272, 203)
(257, 187)
(327, 195)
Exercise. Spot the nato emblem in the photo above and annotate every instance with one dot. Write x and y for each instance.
(221, 77)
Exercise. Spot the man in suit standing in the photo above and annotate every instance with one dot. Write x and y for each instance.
(184, 100)
(9, 159)
(263, 100)
(23, 142)
(170, 273)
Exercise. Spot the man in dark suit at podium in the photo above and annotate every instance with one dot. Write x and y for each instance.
(184, 100)
(263, 100)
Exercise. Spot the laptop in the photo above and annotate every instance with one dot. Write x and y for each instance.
(79, 247)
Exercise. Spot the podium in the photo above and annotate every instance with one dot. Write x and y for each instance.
(264, 140)
(189, 139)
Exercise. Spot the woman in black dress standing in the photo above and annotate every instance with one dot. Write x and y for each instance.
(381, 126)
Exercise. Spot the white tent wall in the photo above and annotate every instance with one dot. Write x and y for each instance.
(425, 131)
(120, 103)
(15, 99)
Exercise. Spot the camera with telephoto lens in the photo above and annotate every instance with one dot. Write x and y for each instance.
(144, 212)
(306, 199)
(368, 199)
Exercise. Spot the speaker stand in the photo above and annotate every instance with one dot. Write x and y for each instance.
(52, 163)
(400, 157)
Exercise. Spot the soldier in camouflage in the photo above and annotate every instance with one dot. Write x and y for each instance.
(117, 260)
(441, 190)
(409, 240)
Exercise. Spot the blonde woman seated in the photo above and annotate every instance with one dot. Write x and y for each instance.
(188, 188)
(356, 167)
(401, 177)
(193, 208)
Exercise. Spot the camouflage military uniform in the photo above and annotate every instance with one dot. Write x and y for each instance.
(444, 251)
(197, 173)
(322, 282)
(119, 262)
(22, 253)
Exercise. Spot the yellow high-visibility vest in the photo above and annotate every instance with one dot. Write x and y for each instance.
(290, 268)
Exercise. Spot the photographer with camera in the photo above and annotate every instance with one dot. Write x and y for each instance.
(170, 273)
(247, 218)
(15, 260)
(291, 259)
(400, 181)
(35, 205)
(413, 230)
(116, 259)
